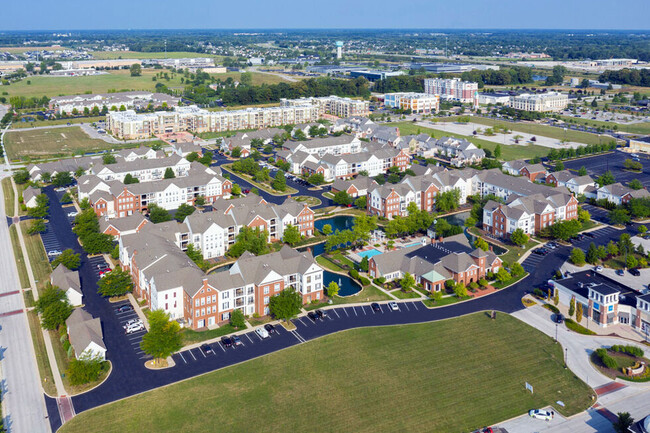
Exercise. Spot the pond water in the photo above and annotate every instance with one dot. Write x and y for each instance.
(339, 223)
(457, 219)
(348, 285)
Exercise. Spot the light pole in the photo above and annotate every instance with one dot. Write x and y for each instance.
(566, 356)
(556, 324)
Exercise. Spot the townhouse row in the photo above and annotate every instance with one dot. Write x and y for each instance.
(167, 279)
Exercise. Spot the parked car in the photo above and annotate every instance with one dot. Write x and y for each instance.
(321, 314)
(590, 235)
(131, 322)
(635, 272)
(73, 214)
(102, 266)
(262, 333)
(393, 306)
(54, 253)
(375, 306)
(559, 318)
(59, 189)
(620, 272)
(270, 328)
(136, 327)
(313, 316)
(236, 340)
(124, 308)
(599, 268)
(206, 349)
(541, 414)
(104, 272)
(226, 341)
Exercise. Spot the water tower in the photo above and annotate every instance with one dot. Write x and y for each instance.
(339, 49)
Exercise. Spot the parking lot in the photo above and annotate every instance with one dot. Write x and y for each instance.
(50, 241)
(598, 165)
(134, 338)
(597, 213)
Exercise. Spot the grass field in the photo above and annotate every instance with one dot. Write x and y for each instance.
(635, 128)
(8, 193)
(20, 50)
(47, 379)
(452, 376)
(37, 257)
(53, 142)
(38, 123)
(104, 55)
(508, 153)
(20, 259)
(543, 130)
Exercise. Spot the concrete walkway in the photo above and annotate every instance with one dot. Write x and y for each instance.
(60, 389)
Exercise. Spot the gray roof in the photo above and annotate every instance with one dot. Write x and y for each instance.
(329, 141)
(287, 261)
(126, 223)
(140, 164)
(360, 183)
(65, 279)
(84, 329)
(30, 192)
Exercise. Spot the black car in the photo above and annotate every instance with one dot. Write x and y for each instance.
(226, 341)
(236, 340)
(269, 328)
(207, 349)
(375, 306)
(321, 314)
(124, 308)
(590, 235)
(620, 272)
(559, 318)
(313, 316)
(634, 272)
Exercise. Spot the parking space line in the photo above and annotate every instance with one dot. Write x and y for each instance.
(258, 336)
(363, 308)
(336, 312)
(355, 311)
(190, 351)
(182, 357)
(415, 305)
(346, 312)
(202, 353)
(249, 339)
(221, 346)
(406, 305)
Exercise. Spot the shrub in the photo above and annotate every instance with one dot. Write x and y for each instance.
(539, 293)
(482, 282)
(630, 350)
(379, 281)
(364, 281)
(473, 285)
(354, 274)
(606, 359)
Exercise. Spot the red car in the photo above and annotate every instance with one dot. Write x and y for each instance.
(104, 272)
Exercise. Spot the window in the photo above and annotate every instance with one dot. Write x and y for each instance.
(277, 286)
(266, 300)
(266, 290)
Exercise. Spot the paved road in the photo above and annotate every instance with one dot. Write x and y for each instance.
(22, 394)
(599, 164)
(130, 377)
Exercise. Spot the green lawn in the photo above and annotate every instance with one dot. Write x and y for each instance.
(110, 55)
(20, 259)
(406, 295)
(52, 143)
(10, 197)
(543, 130)
(263, 186)
(47, 379)
(635, 128)
(37, 257)
(508, 152)
(308, 200)
(190, 336)
(39, 123)
(454, 376)
(327, 264)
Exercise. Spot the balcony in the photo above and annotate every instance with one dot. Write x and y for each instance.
(239, 292)
(239, 302)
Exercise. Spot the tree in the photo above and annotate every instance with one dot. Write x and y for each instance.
(482, 244)
(592, 254)
(235, 190)
(291, 235)
(66, 198)
(559, 166)
(635, 184)
(623, 423)
(42, 208)
(37, 226)
(279, 182)
(85, 369)
(68, 259)
(572, 307)
(327, 229)
(237, 319)
(299, 135)
(448, 201)
(579, 312)
(503, 275)
(516, 270)
(606, 178)
(332, 289)
(566, 229)
(21, 176)
(342, 198)
(236, 152)
(407, 283)
(519, 237)
(163, 338)
(108, 159)
(460, 290)
(497, 151)
(583, 215)
(136, 70)
(53, 306)
(582, 171)
(631, 262)
(250, 239)
(642, 229)
(115, 283)
(286, 305)
(158, 214)
(393, 178)
(129, 179)
(577, 257)
(316, 179)
(556, 298)
(619, 216)
(206, 159)
(361, 202)
(183, 211)
(169, 173)
(612, 249)
(62, 178)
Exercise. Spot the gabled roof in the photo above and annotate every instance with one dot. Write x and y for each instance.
(65, 279)
(83, 329)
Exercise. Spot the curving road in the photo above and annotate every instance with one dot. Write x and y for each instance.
(130, 377)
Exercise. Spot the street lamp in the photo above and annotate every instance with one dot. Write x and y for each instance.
(556, 332)
(566, 356)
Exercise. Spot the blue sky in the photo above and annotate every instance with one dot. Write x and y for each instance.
(228, 14)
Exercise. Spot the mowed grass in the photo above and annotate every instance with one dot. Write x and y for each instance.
(9, 196)
(51, 142)
(508, 152)
(634, 128)
(20, 259)
(47, 378)
(73, 120)
(451, 376)
(543, 130)
(105, 55)
(37, 256)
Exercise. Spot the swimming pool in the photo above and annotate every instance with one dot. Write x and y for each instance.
(369, 253)
(413, 244)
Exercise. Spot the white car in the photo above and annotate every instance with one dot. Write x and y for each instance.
(132, 322)
(60, 189)
(263, 333)
(73, 214)
(541, 414)
(135, 327)
(599, 268)
(393, 306)
(54, 253)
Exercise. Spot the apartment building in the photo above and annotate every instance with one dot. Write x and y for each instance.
(143, 169)
(334, 105)
(343, 144)
(431, 265)
(416, 102)
(452, 89)
(166, 279)
(215, 232)
(130, 125)
(542, 102)
(459, 152)
(520, 167)
(112, 101)
(114, 199)
(376, 160)
(578, 185)
(357, 187)
(619, 194)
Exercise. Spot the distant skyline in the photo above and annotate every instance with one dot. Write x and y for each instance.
(335, 14)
